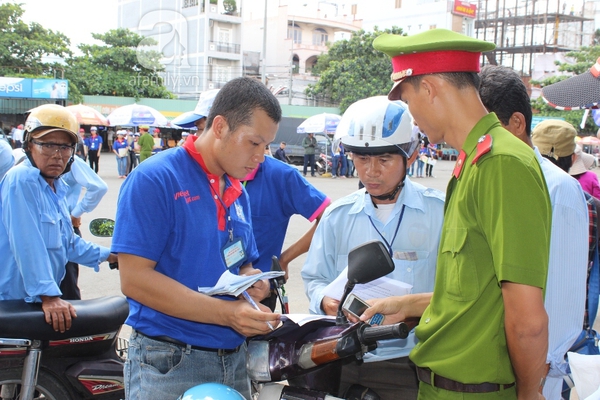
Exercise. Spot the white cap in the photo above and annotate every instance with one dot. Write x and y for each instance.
(187, 120)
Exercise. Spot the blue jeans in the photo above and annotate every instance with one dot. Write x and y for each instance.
(122, 165)
(420, 168)
(309, 158)
(411, 169)
(163, 371)
(337, 160)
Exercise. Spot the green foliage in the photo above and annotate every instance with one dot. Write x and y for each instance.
(124, 66)
(229, 6)
(353, 70)
(102, 227)
(121, 67)
(22, 46)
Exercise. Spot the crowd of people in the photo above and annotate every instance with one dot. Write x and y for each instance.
(497, 265)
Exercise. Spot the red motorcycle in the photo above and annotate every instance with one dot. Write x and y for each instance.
(85, 362)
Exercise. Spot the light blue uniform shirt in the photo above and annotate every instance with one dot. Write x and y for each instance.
(82, 176)
(36, 236)
(567, 270)
(6, 157)
(345, 225)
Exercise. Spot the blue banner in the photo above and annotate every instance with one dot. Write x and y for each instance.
(15, 87)
(34, 88)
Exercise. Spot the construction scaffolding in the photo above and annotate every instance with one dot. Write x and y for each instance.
(523, 29)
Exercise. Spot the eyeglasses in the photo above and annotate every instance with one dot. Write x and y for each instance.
(49, 149)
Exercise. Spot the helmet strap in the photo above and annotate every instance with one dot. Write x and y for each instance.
(390, 195)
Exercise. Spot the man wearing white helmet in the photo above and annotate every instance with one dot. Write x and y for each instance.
(36, 235)
(405, 216)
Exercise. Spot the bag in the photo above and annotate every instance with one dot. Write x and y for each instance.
(587, 342)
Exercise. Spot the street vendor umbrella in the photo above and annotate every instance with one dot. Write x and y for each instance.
(320, 123)
(135, 115)
(87, 115)
(589, 141)
(575, 93)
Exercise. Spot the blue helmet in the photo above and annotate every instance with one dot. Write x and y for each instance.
(211, 391)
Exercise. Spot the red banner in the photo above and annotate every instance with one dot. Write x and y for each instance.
(465, 9)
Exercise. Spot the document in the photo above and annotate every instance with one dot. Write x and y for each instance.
(234, 285)
(379, 288)
(301, 319)
(123, 151)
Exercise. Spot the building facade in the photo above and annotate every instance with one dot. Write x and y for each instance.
(200, 40)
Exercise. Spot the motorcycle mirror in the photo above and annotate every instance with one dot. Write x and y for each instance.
(369, 261)
(366, 262)
(102, 227)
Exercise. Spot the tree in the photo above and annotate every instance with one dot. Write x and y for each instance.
(353, 70)
(23, 47)
(124, 66)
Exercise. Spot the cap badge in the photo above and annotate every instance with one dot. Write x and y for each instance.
(396, 76)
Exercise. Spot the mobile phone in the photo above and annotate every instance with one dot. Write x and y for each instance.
(355, 306)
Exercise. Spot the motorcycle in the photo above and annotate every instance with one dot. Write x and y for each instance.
(84, 362)
(324, 164)
(310, 356)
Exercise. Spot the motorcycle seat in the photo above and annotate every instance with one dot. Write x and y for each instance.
(20, 320)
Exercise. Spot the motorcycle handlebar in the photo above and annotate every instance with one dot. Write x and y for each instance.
(371, 334)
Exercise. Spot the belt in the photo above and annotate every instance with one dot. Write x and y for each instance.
(426, 376)
(167, 339)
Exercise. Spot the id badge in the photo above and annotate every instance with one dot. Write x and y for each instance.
(233, 253)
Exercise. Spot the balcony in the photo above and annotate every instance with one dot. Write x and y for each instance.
(224, 47)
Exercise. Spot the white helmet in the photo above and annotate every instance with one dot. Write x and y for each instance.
(376, 125)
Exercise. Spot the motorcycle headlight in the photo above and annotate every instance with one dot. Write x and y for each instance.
(257, 361)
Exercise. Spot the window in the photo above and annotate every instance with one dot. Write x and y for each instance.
(320, 37)
(295, 32)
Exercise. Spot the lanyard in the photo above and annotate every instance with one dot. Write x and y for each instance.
(389, 244)
(227, 213)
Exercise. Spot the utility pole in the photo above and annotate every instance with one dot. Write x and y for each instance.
(264, 49)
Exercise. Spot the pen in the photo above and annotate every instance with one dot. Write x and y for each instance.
(256, 307)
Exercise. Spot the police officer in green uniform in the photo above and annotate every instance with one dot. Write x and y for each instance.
(483, 332)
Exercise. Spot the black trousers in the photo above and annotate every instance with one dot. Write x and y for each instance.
(68, 286)
(94, 159)
(133, 161)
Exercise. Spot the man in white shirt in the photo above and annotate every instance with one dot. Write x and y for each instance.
(503, 92)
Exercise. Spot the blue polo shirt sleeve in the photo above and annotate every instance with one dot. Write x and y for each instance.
(302, 197)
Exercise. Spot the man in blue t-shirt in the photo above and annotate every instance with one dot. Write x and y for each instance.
(194, 226)
(277, 191)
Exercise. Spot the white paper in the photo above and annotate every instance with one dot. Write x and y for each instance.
(302, 319)
(234, 285)
(379, 288)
